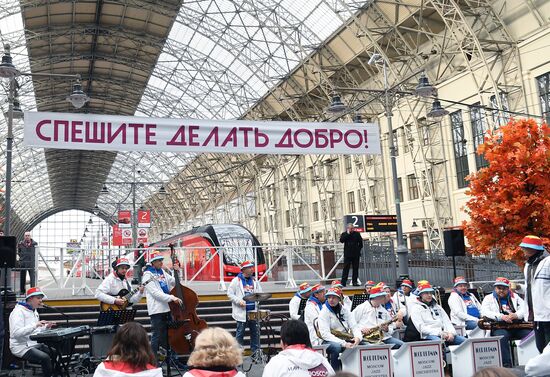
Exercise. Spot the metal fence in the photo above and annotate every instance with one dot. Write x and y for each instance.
(380, 264)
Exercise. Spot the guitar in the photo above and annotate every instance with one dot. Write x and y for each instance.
(125, 295)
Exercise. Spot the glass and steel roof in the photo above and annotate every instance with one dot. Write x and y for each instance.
(201, 59)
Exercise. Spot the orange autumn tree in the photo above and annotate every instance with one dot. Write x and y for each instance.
(511, 197)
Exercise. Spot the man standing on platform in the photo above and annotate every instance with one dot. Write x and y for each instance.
(27, 261)
(158, 296)
(353, 243)
(110, 287)
(304, 291)
(241, 286)
(537, 292)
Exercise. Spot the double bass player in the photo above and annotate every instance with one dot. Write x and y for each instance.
(158, 296)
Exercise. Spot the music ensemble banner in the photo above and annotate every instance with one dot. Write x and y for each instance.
(124, 133)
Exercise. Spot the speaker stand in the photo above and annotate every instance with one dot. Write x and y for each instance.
(454, 266)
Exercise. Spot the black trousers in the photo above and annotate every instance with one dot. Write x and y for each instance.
(23, 278)
(542, 334)
(40, 355)
(354, 262)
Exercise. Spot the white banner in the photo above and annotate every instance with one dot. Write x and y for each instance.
(116, 133)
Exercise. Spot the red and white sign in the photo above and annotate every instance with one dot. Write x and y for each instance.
(126, 236)
(104, 241)
(117, 236)
(115, 133)
(426, 360)
(375, 362)
(142, 235)
(125, 219)
(144, 218)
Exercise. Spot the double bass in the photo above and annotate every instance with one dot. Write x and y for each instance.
(186, 323)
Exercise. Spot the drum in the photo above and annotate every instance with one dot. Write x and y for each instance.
(262, 315)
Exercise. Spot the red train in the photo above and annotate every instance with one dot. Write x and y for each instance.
(237, 242)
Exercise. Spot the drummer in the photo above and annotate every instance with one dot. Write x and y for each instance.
(244, 284)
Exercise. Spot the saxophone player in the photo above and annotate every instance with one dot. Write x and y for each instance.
(507, 308)
(336, 318)
(372, 316)
(311, 312)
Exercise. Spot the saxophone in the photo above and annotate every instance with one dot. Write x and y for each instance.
(375, 335)
(485, 323)
(344, 335)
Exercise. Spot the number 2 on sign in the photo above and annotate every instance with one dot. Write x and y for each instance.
(355, 221)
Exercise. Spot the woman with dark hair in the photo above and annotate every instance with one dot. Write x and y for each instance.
(297, 359)
(130, 355)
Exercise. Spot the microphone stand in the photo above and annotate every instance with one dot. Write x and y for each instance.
(58, 311)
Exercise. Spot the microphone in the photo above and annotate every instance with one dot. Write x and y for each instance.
(58, 311)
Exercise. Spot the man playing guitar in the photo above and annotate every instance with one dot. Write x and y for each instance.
(113, 287)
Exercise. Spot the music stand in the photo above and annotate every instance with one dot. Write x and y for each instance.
(358, 299)
(115, 317)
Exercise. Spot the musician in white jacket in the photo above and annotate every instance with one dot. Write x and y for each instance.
(158, 296)
(402, 297)
(116, 281)
(430, 320)
(465, 308)
(372, 315)
(313, 309)
(24, 322)
(346, 301)
(506, 307)
(304, 291)
(335, 317)
(241, 286)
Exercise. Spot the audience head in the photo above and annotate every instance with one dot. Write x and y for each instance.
(215, 347)
(294, 332)
(494, 372)
(131, 345)
(502, 287)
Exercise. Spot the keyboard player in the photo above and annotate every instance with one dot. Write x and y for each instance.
(24, 322)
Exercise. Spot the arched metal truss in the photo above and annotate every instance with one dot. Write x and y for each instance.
(261, 59)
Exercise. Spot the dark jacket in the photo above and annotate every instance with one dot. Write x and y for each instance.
(27, 253)
(353, 243)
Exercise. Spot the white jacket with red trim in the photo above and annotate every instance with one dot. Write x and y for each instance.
(103, 371)
(311, 313)
(298, 361)
(109, 288)
(490, 308)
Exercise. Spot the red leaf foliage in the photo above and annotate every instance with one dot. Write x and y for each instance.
(510, 198)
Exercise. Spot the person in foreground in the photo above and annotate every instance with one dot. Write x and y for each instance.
(130, 355)
(494, 372)
(297, 359)
(216, 354)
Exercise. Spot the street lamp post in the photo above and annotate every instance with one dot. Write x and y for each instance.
(9, 71)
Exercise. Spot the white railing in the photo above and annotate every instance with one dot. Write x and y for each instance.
(283, 263)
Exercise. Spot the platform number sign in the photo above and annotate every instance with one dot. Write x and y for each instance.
(357, 221)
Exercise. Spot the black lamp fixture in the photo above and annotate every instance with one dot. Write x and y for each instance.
(7, 69)
(357, 118)
(437, 110)
(95, 211)
(104, 190)
(424, 88)
(86, 230)
(336, 104)
(162, 190)
(414, 224)
(90, 221)
(78, 98)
